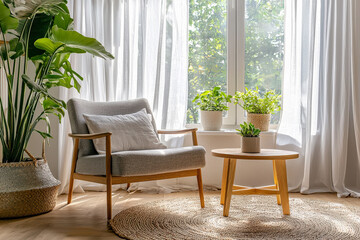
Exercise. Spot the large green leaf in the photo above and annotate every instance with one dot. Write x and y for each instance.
(6, 20)
(48, 45)
(63, 20)
(32, 85)
(44, 134)
(40, 89)
(28, 8)
(75, 42)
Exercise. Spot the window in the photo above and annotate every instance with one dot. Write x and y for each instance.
(234, 44)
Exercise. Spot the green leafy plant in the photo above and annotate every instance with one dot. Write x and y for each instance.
(252, 102)
(248, 130)
(36, 33)
(213, 100)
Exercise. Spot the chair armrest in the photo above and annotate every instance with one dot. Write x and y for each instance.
(182, 131)
(107, 135)
(90, 136)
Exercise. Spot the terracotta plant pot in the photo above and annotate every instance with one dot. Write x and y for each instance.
(261, 121)
(211, 120)
(27, 188)
(250, 144)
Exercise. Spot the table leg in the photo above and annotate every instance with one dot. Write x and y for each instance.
(224, 179)
(280, 166)
(229, 186)
(276, 183)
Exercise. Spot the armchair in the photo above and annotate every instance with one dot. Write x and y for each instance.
(127, 166)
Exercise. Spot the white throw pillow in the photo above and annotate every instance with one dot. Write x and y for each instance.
(129, 132)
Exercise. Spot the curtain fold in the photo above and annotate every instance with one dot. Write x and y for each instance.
(321, 94)
(149, 41)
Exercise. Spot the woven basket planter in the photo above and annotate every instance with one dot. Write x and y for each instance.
(27, 188)
(261, 121)
(250, 144)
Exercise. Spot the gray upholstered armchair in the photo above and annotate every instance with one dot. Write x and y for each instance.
(127, 166)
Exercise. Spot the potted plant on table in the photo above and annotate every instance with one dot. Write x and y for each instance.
(212, 103)
(250, 141)
(259, 108)
(34, 35)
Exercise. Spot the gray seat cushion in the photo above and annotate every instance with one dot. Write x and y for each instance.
(144, 162)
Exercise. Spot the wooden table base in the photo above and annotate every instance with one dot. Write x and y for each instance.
(280, 188)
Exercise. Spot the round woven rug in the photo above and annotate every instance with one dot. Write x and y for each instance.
(255, 217)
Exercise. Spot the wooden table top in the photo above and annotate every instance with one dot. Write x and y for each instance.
(265, 154)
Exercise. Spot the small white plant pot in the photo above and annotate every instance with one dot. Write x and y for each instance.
(261, 121)
(250, 144)
(211, 120)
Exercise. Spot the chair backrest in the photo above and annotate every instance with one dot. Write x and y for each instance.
(77, 107)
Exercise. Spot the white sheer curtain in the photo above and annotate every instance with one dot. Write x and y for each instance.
(149, 41)
(321, 112)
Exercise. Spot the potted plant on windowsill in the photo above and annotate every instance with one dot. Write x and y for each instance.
(259, 108)
(37, 33)
(212, 103)
(250, 141)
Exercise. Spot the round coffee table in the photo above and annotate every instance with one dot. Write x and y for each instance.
(280, 187)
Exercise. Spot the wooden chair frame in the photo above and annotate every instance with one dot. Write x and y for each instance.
(109, 180)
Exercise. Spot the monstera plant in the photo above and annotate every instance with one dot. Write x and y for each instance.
(37, 39)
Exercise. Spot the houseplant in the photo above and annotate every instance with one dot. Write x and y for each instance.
(36, 34)
(212, 103)
(250, 141)
(259, 108)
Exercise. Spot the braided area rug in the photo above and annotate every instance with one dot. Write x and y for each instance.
(255, 217)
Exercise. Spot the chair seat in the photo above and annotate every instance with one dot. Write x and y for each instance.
(144, 162)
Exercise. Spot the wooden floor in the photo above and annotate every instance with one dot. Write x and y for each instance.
(85, 217)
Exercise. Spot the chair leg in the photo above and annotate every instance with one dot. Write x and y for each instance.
(201, 190)
(108, 177)
(73, 165)
(108, 198)
(71, 188)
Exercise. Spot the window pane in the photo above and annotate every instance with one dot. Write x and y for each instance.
(207, 49)
(264, 45)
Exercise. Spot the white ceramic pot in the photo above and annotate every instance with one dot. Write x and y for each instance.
(261, 121)
(250, 144)
(211, 120)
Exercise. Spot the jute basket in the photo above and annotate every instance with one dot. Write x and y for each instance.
(261, 121)
(27, 188)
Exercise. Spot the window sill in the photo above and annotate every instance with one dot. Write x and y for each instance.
(228, 132)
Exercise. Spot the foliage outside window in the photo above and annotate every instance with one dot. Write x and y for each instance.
(207, 50)
(264, 46)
